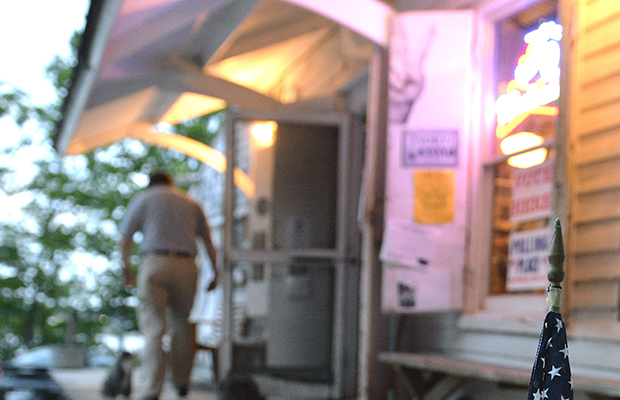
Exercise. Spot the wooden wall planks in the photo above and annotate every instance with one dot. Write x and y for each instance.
(595, 163)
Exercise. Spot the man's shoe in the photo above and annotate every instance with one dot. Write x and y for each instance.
(182, 391)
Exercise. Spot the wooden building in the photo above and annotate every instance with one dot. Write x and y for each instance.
(500, 327)
(416, 233)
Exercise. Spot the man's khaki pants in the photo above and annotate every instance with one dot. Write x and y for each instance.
(166, 289)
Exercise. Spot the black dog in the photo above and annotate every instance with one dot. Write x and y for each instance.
(239, 387)
(118, 382)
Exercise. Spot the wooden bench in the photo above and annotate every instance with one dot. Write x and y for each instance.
(436, 376)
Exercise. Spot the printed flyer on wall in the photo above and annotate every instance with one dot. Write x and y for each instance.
(527, 259)
(408, 245)
(407, 290)
(532, 189)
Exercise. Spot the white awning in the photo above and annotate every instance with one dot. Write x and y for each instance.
(152, 61)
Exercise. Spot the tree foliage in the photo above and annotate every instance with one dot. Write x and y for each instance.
(58, 258)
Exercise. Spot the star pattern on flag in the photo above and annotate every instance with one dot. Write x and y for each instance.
(551, 376)
(554, 372)
(549, 344)
(565, 351)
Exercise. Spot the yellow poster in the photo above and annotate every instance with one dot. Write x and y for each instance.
(434, 196)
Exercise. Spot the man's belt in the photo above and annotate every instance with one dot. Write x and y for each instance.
(171, 253)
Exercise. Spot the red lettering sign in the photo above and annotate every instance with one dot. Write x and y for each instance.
(532, 190)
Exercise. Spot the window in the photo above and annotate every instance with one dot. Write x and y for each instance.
(522, 154)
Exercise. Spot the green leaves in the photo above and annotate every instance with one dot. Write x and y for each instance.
(59, 256)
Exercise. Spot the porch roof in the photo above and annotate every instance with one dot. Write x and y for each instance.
(143, 62)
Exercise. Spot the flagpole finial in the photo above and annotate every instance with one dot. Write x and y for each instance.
(556, 270)
(556, 255)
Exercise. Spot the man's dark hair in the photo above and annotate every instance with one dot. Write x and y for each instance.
(239, 387)
(160, 178)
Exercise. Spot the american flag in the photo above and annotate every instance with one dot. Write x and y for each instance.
(551, 377)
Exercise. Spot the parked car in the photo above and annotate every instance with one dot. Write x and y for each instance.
(39, 357)
(28, 383)
(44, 357)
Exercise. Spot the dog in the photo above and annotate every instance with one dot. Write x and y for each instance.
(239, 387)
(118, 381)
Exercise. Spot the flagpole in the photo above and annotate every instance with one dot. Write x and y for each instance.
(551, 374)
(556, 270)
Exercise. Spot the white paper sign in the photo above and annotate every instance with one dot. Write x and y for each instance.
(532, 189)
(408, 245)
(430, 148)
(527, 259)
(409, 290)
(429, 95)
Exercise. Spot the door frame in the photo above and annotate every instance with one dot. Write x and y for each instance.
(343, 256)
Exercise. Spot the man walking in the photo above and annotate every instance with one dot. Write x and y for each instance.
(170, 222)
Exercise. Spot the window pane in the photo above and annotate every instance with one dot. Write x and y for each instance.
(505, 229)
(527, 72)
(291, 203)
(282, 318)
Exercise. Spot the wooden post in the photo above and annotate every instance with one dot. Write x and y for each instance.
(556, 270)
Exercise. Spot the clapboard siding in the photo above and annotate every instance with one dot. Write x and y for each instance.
(599, 119)
(493, 345)
(594, 165)
(598, 176)
(599, 67)
(596, 266)
(598, 12)
(598, 206)
(595, 94)
(602, 295)
(598, 147)
(599, 354)
(596, 324)
(602, 38)
(601, 236)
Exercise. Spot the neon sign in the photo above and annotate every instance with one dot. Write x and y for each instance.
(525, 95)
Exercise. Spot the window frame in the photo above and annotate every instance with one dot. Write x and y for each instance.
(479, 302)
